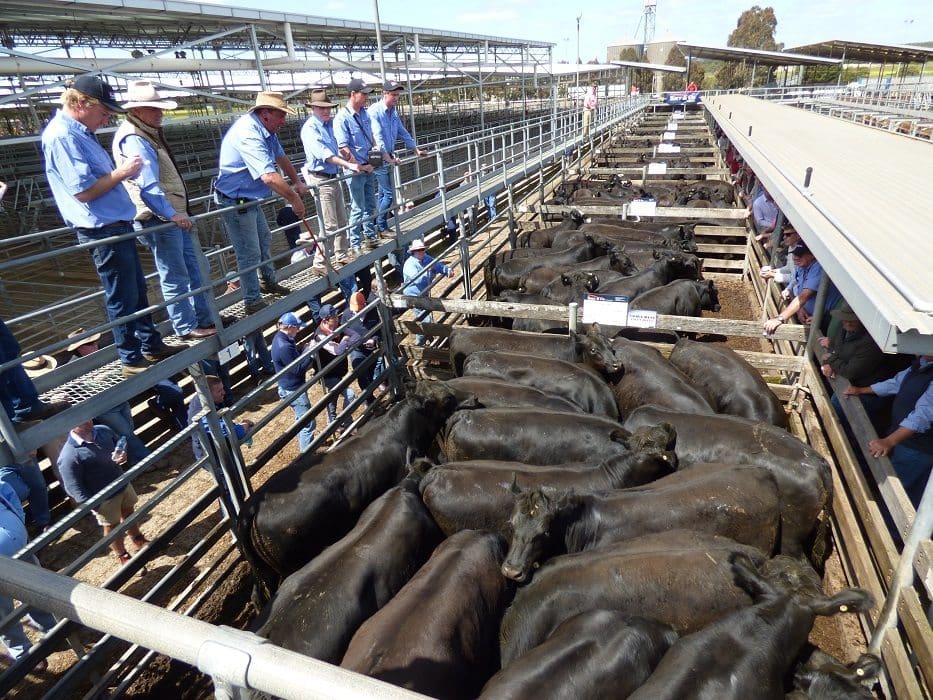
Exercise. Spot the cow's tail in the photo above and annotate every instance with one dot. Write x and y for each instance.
(250, 542)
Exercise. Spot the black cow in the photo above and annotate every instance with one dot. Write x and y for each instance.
(592, 348)
(575, 382)
(480, 494)
(679, 577)
(741, 503)
(318, 608)
(664, 270)
(680, 298)
(803, 476)
(735, 387)
(543, 237)
(540, 277)
(824, 678)
(508, 275)
(533, 437)
(648, 378)
(496, 393)
(596, 654)
(437, 636)
(318, 498)
(748, 653)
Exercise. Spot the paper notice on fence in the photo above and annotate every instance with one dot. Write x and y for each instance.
(668, 148)
(642, 207)
(668, 136)
(228, 353)
(671, 126)
(657, 168)
(638, 318)
(608, 309)
(679, 115)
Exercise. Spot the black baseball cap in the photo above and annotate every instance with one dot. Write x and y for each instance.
(357, 85)
(94, 86)
(799, 249)
(392, 86)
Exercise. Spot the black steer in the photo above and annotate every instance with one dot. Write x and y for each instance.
(824, 678)
(679, 298)
(748, 653)
(496, 393)
(664, 270)
(508, 275)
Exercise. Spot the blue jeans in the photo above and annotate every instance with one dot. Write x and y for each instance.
(362, 207)
(169, 397)
(17, 392)
(348, 396)
(301, 404)
(251, 239)
(124, 290)
(13, 637)
(120, 420)
(258, 357)
(386, 194)
(177, 263)
(490, 200)
(26, 479)
(913, 468)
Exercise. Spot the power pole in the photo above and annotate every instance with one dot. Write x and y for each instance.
(579, 17)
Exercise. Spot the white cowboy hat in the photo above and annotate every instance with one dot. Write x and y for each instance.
(40, 365)
(417, 244)
(142, 93)
(272, 100)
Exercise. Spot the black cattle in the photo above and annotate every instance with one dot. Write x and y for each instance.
(679, 298)
(318, 498)
(573, 381)
(824, 678)
(318, 608)
(496, 393)
(802, 475)
(580, 281)
(508, 275)
(679, 577)
(735, 387)
(596, 654)
(741, 503)
(540, 277)
(664, 270)
(648, 378)
(533, 437)
(543, 237)
(480, 494)
(592, 348)
(437, 636)
(748, 653)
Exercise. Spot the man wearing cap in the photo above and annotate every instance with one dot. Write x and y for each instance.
(249, 154)
(807, 275)
(295, 361)
(335, 347)
(387, 129)
(87, 191)
(355, 140)
(909, 442)
(161, 200)
(323, 166)
(785, 273)
(417, 273)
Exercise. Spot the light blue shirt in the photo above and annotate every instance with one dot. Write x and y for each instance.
(921, 418)
(13, 536)
(150, 189)
(809, 278)
(247, 152)
(417, 287)
(388, 128)
(74, 161)
(354, 131)
(320, 143)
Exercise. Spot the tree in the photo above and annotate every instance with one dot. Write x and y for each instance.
(753, 30)
(674, 81)
(821, 75)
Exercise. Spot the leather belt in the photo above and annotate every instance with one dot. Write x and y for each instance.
(326, 176)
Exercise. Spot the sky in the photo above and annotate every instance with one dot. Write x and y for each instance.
(604, 22)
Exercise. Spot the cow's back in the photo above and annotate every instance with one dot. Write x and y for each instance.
(464, 340)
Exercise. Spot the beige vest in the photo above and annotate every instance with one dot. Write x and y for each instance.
(172, 183)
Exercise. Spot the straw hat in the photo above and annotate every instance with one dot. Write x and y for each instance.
(40, 365)
(272, 100)
(417, 244)
(319, 98)
(142, 93)
(82, 341)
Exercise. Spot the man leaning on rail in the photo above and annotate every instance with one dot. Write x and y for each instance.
(88, 193)
(161, 199)
(250, 154)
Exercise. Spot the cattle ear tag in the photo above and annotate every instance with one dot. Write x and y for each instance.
(843, 608)
(860, 672)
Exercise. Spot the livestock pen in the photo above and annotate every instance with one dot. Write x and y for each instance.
(865, 554)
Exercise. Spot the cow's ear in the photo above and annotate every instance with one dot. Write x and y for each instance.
(594, 330)
(469, 403)
(620, 436)
(513, 487)
(747, 576)
(849, 600)
(564, 279)
(592, 282)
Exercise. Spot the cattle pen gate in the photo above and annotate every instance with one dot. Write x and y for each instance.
(880, 544)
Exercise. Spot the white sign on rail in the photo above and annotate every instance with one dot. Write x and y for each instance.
(642, 207)
(608, 309)
(668, 148)
(638, 318)
(668, 136)
(657, 168)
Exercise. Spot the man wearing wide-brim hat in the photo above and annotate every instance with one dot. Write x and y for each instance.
(323, 165)
(161, 200)
(250, 154)
(88, 193)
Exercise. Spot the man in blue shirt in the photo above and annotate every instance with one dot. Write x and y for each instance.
(249, 154)
(418, 272)
(88, 193)
(387, 130)
(801, 294)
(909, 442)
(323, 167)
(284, 353)
(161, 198)
(354, 134)
(218, 395)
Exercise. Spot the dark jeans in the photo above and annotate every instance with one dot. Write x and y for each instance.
(29, 484)
(17, 392)
(124, 290)
(169, 397)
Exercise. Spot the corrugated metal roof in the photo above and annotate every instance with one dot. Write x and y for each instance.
(762, 58)
(866, 214)
(857, 51)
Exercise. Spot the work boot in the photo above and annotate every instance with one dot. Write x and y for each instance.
(254, 306)
(272, 287)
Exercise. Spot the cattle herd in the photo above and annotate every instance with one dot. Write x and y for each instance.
(572, 516)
